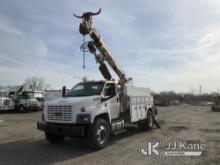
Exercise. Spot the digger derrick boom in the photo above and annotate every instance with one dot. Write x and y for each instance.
(105, 52)
(87, 27)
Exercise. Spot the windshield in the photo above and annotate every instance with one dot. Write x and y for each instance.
(27, 96)
(86, 89)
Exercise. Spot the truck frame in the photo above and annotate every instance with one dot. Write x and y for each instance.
(96, 109)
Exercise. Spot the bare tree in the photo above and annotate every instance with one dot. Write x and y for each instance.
(37, 83)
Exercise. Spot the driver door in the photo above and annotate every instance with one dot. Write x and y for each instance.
(111, 100)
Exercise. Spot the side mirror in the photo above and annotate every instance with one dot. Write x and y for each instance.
(107, 94)
(104, 98)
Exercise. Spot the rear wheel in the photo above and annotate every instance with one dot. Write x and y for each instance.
(22, 109)
(150, 120)
(98, 134)
(148, 123)
(54, 138)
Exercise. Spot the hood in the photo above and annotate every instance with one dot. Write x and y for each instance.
(72, 100)
(33, 100)
(5, 98)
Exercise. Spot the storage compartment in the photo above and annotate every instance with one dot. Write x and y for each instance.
(138, 101)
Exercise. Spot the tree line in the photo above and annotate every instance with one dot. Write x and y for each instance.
(167, 98)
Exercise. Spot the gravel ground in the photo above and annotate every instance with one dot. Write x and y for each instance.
(22, 143)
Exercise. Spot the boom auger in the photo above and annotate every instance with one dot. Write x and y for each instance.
(87, 27)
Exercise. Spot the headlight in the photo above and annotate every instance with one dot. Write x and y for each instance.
(83, 118)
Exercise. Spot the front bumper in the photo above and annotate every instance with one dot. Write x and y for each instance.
(6, 108)
(62, 129)
(34, 107)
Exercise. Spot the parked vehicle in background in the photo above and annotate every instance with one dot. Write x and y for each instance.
(29, 100)
(215, 103)
(21, 98)
(7, 104)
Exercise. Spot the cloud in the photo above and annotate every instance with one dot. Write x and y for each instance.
(166, 45)
(17, 47)
(192, 66)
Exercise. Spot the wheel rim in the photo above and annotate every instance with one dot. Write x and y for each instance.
(101, 134)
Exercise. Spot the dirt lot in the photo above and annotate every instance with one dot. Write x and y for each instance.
(22, 143)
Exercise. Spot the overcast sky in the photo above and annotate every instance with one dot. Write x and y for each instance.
(162, 44)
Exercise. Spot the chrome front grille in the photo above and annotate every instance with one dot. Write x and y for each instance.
(60, 113)
(6, 102)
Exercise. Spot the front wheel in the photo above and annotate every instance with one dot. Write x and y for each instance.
(98, 134)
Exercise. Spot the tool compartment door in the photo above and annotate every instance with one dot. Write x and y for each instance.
(138, 110)
(140, 99)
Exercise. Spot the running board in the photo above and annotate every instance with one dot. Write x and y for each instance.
(117, 125)
(120, 131)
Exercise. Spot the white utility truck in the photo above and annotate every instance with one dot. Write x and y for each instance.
(29, 100)
(7, 104)
(96, 109)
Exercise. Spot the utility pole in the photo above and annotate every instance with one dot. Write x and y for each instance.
(200, 89)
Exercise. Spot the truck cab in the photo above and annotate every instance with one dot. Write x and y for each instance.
(84, 102)
(29, 100)
(6, 104)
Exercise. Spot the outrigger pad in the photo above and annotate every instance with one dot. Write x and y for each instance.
(105, 72)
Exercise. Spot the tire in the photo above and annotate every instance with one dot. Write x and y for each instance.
(22, 109)
(53, 138)
(148, 123)
(98, 134)
(142, 125)
(16, 109)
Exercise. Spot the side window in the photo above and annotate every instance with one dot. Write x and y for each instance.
(79, 87)
(110, 90)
